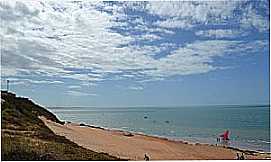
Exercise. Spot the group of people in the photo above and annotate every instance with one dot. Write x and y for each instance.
(225, 138)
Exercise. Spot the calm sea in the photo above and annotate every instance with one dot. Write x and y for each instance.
(249, 126)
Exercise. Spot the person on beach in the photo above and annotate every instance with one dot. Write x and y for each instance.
(242, 156)
(146, 158)
(238, 157)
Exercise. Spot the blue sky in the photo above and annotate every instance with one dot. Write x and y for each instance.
(84, 53)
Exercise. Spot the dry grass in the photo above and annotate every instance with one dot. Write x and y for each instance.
(26, 137)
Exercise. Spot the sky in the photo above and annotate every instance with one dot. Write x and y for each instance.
(110, 54)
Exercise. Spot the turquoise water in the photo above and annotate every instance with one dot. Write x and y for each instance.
(249, 125)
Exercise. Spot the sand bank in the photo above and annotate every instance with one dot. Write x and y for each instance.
(134, 146)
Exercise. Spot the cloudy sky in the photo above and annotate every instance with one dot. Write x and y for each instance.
(83, 53)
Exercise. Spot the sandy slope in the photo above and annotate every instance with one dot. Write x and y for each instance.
(134, 148)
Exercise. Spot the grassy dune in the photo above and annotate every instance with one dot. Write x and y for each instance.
(25, 136)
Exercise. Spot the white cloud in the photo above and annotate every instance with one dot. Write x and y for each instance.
(83, 77)
(89, 84)
(185, 15)
(174, 23)
(194, 58)
(76, 41)
(220, 33)
(136, 88)
(252, 19)
(78, 93)
(74, 87)
(192, 11)
(18, 81)
(149, 37)
(45, 82)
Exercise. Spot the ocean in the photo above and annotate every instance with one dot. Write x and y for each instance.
(249, 125)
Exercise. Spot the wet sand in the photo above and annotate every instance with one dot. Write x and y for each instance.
(133, 146)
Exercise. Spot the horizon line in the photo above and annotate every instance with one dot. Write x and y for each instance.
(153, 106)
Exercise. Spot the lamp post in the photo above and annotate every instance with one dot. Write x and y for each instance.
(7, 85)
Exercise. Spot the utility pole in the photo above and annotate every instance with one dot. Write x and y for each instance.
(7, 85)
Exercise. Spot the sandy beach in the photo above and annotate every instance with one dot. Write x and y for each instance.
(135, 146)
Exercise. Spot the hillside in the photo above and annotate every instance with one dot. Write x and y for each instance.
(26, 137)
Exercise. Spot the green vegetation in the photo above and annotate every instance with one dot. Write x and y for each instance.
(26, 137)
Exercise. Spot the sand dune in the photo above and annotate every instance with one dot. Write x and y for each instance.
(134, 147)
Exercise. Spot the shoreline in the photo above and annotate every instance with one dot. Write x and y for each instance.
(251, 151)
(253, 137)
(132, 145)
